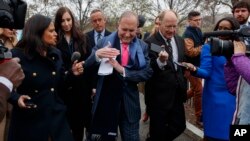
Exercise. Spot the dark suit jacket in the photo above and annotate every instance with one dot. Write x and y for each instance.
(165, 86)
(77, 96)
(91, 40)
(166, 80)
(115, 92)
(91, 36)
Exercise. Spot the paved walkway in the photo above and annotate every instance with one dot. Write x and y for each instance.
(192, 133)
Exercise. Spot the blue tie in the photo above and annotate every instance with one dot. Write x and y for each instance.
(98, 37)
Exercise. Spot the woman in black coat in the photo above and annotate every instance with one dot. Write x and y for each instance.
(38, 112)
(78, 97)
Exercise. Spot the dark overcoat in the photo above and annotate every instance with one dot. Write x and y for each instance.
(78, 93)
(44, 82)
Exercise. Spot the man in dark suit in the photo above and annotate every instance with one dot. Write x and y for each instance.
(167, 87)
(117, 96)
(98, 22)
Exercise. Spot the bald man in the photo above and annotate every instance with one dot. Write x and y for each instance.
(117, 97)
(166, 89)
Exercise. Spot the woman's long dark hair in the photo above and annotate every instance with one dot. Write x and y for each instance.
(76, 33)
(31, 40)
(235, 24)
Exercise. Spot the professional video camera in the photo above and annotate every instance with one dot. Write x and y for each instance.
(12, 15)
(225, 47)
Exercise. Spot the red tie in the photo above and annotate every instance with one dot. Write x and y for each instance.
(125, 54)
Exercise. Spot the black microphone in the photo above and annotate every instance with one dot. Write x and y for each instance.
(242, 32)
(219, 33)
(75, 56)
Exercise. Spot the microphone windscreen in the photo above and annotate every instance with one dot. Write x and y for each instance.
(75, 56)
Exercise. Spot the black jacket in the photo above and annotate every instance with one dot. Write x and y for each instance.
(44, 82)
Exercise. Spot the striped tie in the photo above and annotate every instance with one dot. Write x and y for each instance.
(169, 48)
(98, 37)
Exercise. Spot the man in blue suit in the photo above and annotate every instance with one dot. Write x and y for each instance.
(117, 96)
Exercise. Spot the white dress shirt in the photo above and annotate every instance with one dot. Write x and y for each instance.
(6, 82)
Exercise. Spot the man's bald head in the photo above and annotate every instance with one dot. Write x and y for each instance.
(169, 14)
(168, 23)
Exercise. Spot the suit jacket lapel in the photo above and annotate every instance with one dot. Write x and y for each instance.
(180, 47)
(177, 46)
(106, 33)
(132, 53)
(92, 38)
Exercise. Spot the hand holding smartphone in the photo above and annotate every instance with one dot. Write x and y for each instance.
(156, 48)
(180, 64)
(30, 104)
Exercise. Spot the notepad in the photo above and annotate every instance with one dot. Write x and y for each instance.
(105, 68)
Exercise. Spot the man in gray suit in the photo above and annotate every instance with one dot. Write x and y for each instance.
(117, 96)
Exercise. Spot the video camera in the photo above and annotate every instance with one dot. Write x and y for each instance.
(225, 47)
(12, 15)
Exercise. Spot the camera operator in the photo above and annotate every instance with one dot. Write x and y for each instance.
(11, 76)
(218, 104)
(237, 69)
(237, 75)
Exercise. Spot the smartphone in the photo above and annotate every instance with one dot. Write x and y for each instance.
(30, 103)
(156, 48)
(180, 64)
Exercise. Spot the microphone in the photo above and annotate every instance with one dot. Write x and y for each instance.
(242, 32)
(219, 33)
(75, 56)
